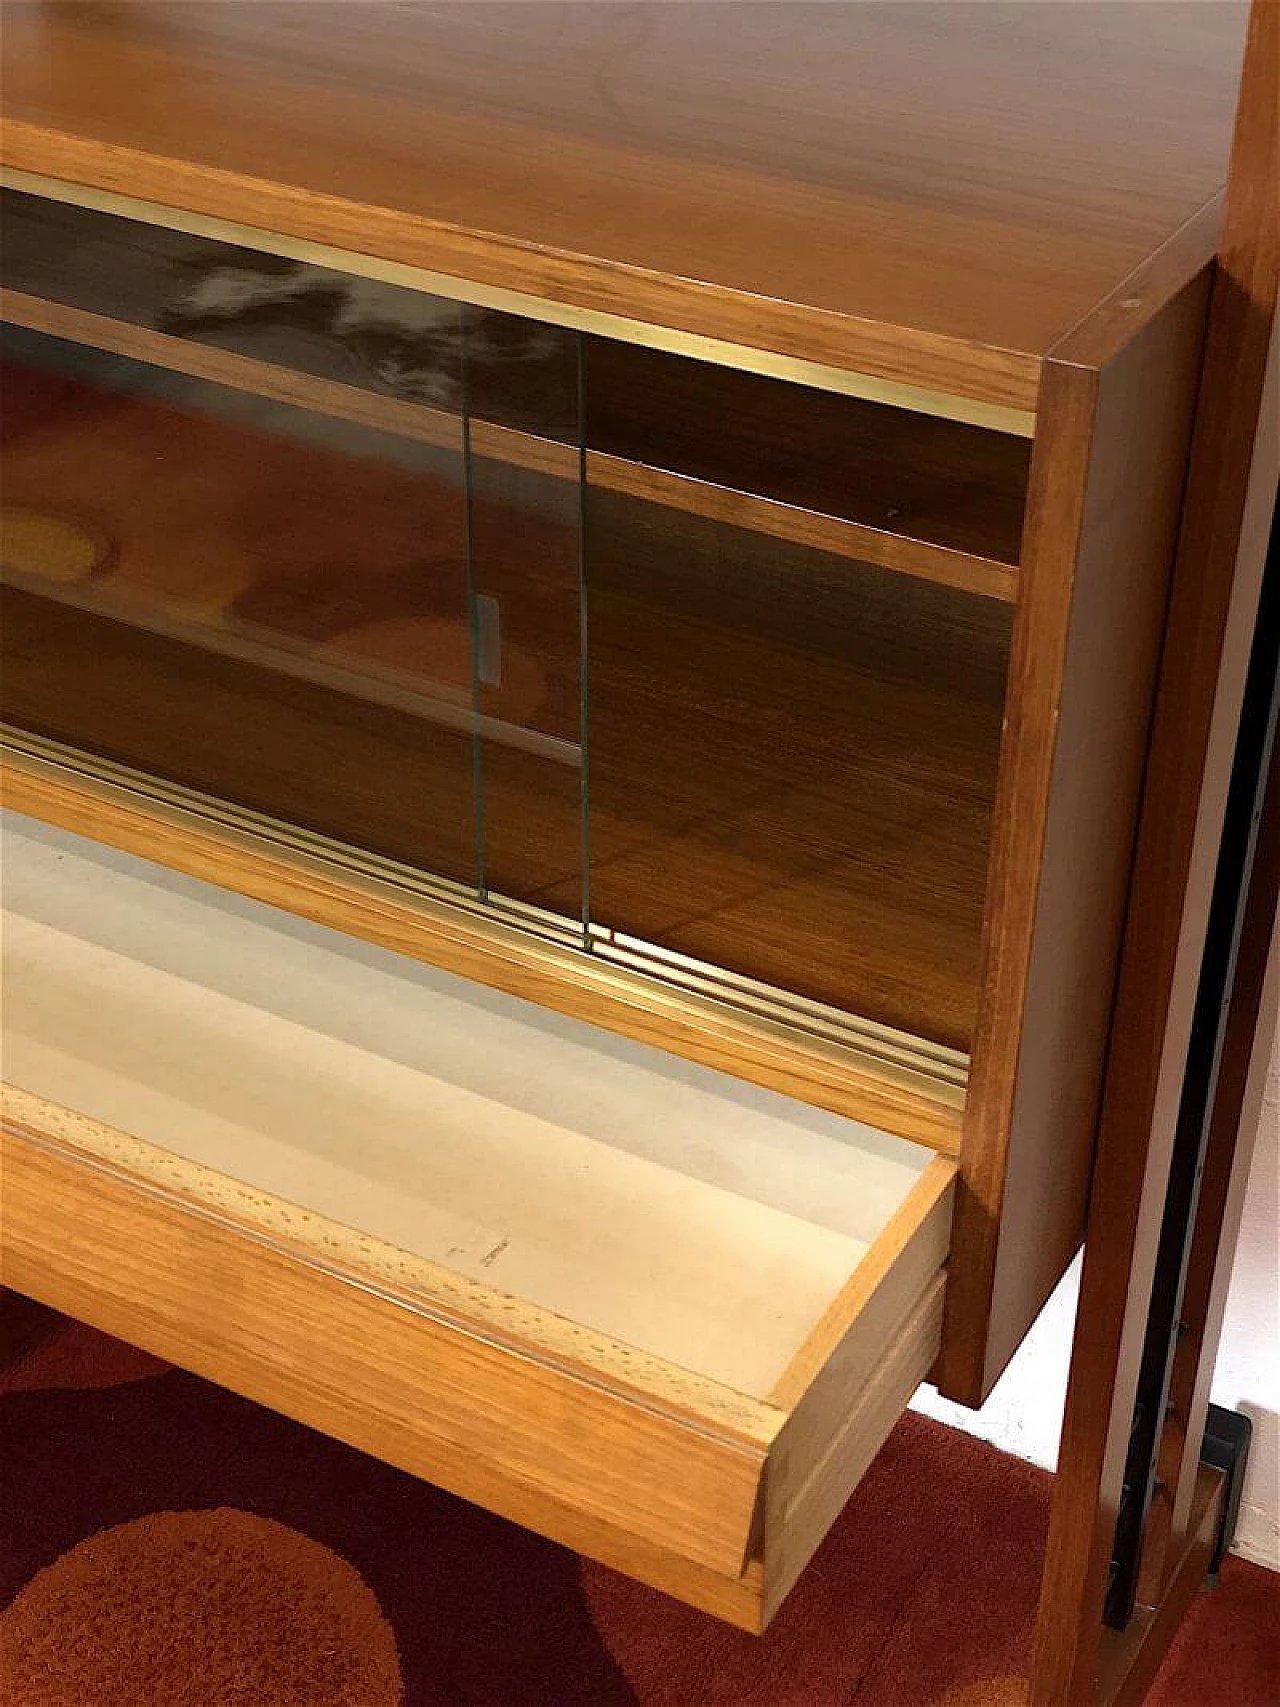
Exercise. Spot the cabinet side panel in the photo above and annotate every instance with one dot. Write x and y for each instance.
(1105, 498)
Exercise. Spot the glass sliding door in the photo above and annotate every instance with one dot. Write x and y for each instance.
(793, 750)
(259, 603)
(259, 541)
(699, 671)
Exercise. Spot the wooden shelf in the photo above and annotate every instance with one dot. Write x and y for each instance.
(930, 497)
(780, 517)
(925, 496)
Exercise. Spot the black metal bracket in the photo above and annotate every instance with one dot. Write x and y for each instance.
(1227, 1438)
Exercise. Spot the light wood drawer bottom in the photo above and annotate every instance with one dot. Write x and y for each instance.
(662, 1317)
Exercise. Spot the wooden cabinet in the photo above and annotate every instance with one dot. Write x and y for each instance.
(565, 499)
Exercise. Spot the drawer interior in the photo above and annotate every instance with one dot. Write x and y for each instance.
(758, 1277)
(527, 1152)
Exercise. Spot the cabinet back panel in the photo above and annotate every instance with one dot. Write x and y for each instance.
(828, 736)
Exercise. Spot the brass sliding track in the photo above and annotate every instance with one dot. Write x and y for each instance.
(626, 963)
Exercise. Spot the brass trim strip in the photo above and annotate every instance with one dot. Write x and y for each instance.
(994, 416)
(901, 1059)
(750, 996)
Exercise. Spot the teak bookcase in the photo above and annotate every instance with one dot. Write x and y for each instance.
(643, 557)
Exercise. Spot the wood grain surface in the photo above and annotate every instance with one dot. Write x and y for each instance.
(930, 497)
(1239, 1110)
(893, 486)
(647, 161)
(911, 1248)
(506, 1154)
(1226, 520)
(802, 1503)
(367, 1368)
(1129, 1659)
(479, 1391)
(836, 492)
(1106, 491)
(652, 161)
(675, 1505)
(309, 1237)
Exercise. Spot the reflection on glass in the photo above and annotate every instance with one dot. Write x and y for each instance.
(262, 603)
(357, 558)
(792, 764)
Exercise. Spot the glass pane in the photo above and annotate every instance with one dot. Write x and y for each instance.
(321, 546)
(830, 457)
(307, 320)
(793, 752)
(525, 462)
(307, 581)
(263, 602)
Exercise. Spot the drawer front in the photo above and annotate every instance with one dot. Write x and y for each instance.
(714, 1497)
(540, 1443)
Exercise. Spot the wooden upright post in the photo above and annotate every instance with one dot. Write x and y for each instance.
(1230, 499)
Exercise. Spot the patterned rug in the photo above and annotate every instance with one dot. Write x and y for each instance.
(167, 1544)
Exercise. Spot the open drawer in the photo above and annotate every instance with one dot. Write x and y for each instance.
(662, 1316)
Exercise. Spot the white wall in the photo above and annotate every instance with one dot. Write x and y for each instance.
(1024, 1413)
(1248, 1372)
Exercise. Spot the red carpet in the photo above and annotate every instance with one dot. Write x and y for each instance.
(166, 1544)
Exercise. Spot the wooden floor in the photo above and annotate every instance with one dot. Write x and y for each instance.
(790, 757)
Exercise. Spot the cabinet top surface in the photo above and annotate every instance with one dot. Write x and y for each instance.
(936, 191)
